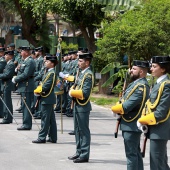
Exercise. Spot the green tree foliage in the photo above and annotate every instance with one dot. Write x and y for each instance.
(84, 14)
(116, 5)
(140, 34)
(66, 47)
(36, 34)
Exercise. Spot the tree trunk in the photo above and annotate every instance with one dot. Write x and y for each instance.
(29, 25)
(89, 37)
(103, 90)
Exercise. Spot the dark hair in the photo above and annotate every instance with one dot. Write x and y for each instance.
(55, 62)
(88, 59)
(165, 66)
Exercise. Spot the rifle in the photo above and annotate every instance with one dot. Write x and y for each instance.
(74, 86)
(8, 110)
(120, 97)
(37, 102)
(144, 128)
(144, 146)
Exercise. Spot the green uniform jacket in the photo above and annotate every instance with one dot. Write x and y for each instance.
(6, 77)
(86, 88)
(48, 95)
(25, 74)
(39, 63)
(2, 66)
(161, 130)
(132, 105)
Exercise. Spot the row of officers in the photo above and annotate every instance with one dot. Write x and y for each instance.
(141, 108)
(23, 75)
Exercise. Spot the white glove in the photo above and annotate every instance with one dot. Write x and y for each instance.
(69, 93)
(13, 79)
(61, 74)
(144, 128)
(141, 127)
(16, 69)
(36, 94)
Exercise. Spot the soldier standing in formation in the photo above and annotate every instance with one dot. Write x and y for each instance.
(80, 92)
(39, 63)
(156, 114)
(130, 109)
(47, 100)
(2, 66)
(7, 87)
(25, 86)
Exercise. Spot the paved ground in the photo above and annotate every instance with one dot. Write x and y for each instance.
(107, 153)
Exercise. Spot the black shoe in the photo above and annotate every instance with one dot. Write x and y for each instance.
(39, 141)
(38, 117)
(75, 156)
(19, 109)
(23, 128)
(59, 111)
(69, 115)
(5, 122)
(52, 141)
(71, 133)
(80, 160)
(56, 109)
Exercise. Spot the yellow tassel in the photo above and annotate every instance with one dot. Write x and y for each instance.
(118, 109)
(77, 94)
(38, 89)
(69, 78)
(149, 119)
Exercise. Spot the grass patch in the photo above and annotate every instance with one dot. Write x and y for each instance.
(95, 89)
(104, 101)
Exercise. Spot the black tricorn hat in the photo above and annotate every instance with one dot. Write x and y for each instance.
(70, 52)
(9, 52)
(25, 48)
(75, 52)
(139, 63)
(2, 49)
(85, 56)
(160, 59)
(50, 57)
(83, 49)
(11, 45)
(39, 49)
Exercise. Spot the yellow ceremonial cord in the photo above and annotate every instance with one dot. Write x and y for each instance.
(82, 104)
(143, 101)
(151, 106)
(51, 86)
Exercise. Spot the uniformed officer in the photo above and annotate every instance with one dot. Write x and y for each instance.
(2, 66)
(11, 47)
(156, 114)
(47, 100)
(81, 93)
(72, 72)
(38, 79)
(7, 87)
(64, 96)
(39, 63)
(130, 109)
(25, 85)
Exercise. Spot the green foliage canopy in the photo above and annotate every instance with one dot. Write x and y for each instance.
(84, 14)
(140, 34)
